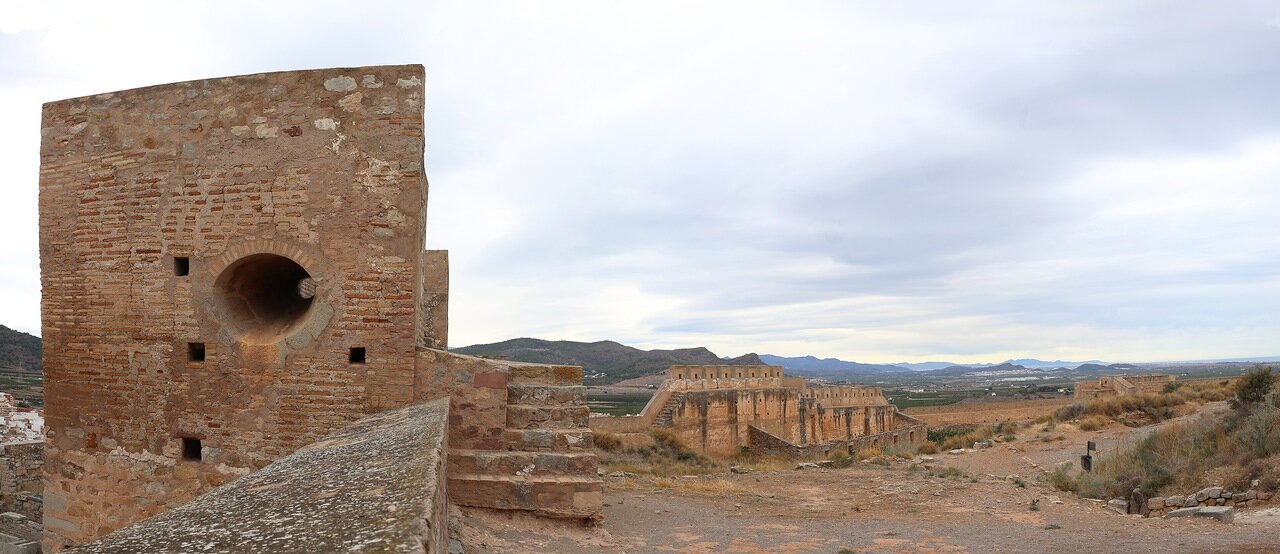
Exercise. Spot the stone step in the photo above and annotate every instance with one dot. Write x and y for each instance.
(547, 417)
(570, 497)
(536, 374)
(497, 462)
(546, 395)
(548, 440)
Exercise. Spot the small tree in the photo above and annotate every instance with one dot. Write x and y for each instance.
(1255, 386)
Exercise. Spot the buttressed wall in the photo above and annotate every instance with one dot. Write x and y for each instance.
(233, 268)
(716, 408)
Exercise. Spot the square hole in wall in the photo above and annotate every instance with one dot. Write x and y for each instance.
(181, 266)
(195, 351)
(190, 449)
(357, 355)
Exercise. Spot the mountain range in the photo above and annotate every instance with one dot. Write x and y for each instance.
(601, 361)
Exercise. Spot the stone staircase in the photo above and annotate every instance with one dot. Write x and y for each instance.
(668, 412)
(549, 466)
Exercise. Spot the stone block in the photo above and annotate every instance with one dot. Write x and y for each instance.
(1118, 505)
(1225, 514)
(1184, 512)
(1208, 493)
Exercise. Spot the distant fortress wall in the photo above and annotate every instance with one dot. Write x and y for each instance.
(1122, 385)
(713, 408)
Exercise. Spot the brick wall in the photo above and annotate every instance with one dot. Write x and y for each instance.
(149, 199)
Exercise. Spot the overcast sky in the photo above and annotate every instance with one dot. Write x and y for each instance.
(879, 181)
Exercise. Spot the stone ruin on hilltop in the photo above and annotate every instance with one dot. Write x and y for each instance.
(727, 409)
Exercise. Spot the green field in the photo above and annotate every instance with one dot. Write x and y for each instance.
(618, 404)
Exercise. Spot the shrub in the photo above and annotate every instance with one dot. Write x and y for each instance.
(868, 452)
(1255, 386)
(1259, 433)
(1069, 412)
(1061, 478)
(606, 441)
(842, 460)
(1093, 423)
(928, 447)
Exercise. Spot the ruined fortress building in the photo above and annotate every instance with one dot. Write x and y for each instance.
(1122, 385)
(724, 409)
(234, 268)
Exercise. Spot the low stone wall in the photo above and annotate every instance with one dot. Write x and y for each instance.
(1210, 496)
(907, 431)
(21, 478)
(762, 442)
(377, 485)
(19, 535)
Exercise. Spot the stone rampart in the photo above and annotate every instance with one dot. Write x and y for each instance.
(1122, 385)
(375, 486)
(712, 372)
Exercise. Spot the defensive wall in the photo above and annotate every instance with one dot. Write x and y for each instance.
(234, 268)
(330, 496)
(723, 410)
(1122, 385)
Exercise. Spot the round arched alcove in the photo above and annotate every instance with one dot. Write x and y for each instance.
(264, 297)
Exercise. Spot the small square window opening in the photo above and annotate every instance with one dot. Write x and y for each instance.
(181, 266)
(357, 355)
(195, 351)
(190, 449)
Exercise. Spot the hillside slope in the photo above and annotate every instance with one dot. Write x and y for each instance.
(603, 361)
(19, 350)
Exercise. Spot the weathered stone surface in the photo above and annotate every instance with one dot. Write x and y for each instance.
(1225, 514)
(721, 409)
(375, 486)
(1182, 512)
(1118, 505)
(1208, 493)
(1138, 502)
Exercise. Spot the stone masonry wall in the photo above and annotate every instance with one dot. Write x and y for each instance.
(433, 301)
(21, 478)
(375, 486)
(518, 434)
(165, 212)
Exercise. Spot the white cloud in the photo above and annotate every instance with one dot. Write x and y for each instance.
(875, 182)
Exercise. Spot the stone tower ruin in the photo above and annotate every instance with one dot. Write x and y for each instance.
(233, 268)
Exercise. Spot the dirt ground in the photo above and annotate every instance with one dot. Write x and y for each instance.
(986, 411)
(873, 508)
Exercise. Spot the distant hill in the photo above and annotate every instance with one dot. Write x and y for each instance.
(813, 364)
(19, 350)
(604, 361)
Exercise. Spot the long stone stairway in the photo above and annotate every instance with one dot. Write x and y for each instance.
(549, 467)
(666, 416)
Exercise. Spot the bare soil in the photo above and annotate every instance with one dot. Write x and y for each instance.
(873, 508)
